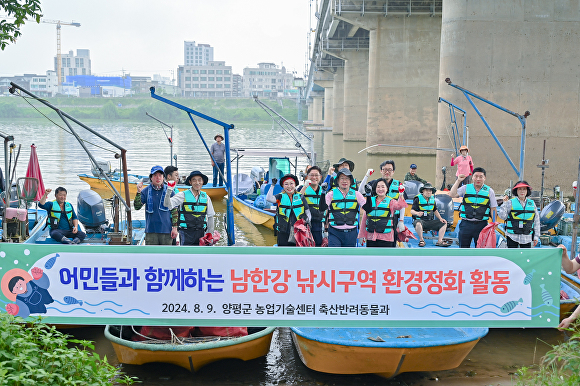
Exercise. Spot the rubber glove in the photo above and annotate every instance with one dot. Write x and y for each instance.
(369, 172)
(400, 226)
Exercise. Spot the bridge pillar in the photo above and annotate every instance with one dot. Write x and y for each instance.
(521, 55)
(403, 83)
(328, 106)
(356, 75)
(317, 110)
(338, 102)
(310, 112)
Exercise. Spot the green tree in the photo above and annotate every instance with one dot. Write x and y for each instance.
(20, 10)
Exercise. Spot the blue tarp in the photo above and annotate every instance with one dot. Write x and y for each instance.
(91, 80)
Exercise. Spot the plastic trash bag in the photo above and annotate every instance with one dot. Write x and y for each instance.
(302, 234)
(487, 237)
(405, 235)
(210, 239)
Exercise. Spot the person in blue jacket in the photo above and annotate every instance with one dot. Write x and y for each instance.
(62, 218)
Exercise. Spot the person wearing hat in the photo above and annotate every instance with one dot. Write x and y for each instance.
(464, 164)
(314, 195)
(412, 175)
(291, 206)
(342, 163)
(478, 206)
(522, 218)
(344, 204)
(218, 151)
(377, 216)
(426, 217)
(160, 220)
(196, 213)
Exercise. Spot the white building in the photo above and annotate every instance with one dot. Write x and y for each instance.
(197, 54)
(74, 65)
(213, 80)
(267, 80)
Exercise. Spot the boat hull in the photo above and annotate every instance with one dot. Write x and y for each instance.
(192, 357)
(102, 188)
(254, 215)
(571, 285)
(380, 360)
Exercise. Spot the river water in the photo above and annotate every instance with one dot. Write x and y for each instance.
(492, 362)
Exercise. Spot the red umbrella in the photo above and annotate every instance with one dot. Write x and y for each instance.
(34, 172)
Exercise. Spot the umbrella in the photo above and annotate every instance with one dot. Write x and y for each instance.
(405, 235)
(303, 235)
(34, 172)
(487, 237)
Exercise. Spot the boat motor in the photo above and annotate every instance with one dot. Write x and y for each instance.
(551, 215)
(257, 173)
(104, 165)
(412, 188)
(91, 209)
(445, 207)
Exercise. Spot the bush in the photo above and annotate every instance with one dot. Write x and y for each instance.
(560, 366)
(36, 354)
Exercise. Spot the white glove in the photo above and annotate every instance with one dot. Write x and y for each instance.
(401, 226)
(307, 182)
(369, 172)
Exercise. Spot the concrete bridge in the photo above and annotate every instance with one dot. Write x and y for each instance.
(378, 68)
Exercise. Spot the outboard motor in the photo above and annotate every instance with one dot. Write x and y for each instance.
(257, 173)
(444, 204)
(412, 188)
(104, 165)
(551, 215)
(91, 209)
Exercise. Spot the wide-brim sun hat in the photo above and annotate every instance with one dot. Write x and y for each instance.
(346, 172)
(521, 184)
(281, 182)
(427, 186)
(156, 169)
(196, 173)
(218, 135)
(463, 148)
(343, 160)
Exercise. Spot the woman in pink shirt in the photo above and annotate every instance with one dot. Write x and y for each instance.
(464, 164)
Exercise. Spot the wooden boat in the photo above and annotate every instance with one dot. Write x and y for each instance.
(384, 351)
(570, 284)
(192, 356)
(100, 186)
(255, 215)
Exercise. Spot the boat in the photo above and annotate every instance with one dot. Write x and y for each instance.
(247, 201)
(192, 356)
(570, 284)
(386, 352)
(100, 185)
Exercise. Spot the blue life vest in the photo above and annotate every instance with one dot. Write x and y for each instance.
(427, 207)
(380, 218)
(343, 210)
(475, 205)
(192, 213)
(55, 213)
(313, 198)
(520, 219)
(285, 210)
(37, 299)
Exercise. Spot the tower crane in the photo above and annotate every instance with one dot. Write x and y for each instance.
(58, 57)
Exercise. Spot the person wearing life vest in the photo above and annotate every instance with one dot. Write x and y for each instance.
(522, 218)
(377, 222)
(342, 216)
(342, 163)
(290, 207)
(196, 213)
(62, 218)
(426, 217)
(160, 220)
(387, 172)
(477, 208)
(315, 197)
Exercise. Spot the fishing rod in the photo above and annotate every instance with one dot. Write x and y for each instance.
(169, 137)
(412, 147)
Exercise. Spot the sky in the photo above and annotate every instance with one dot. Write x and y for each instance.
(145, 37)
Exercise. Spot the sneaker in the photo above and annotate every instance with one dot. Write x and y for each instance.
(66, 240)
(76, 240)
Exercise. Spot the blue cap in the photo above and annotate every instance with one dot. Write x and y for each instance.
(413, 166)
(156, 169)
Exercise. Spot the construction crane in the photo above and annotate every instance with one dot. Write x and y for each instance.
(58, 57)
